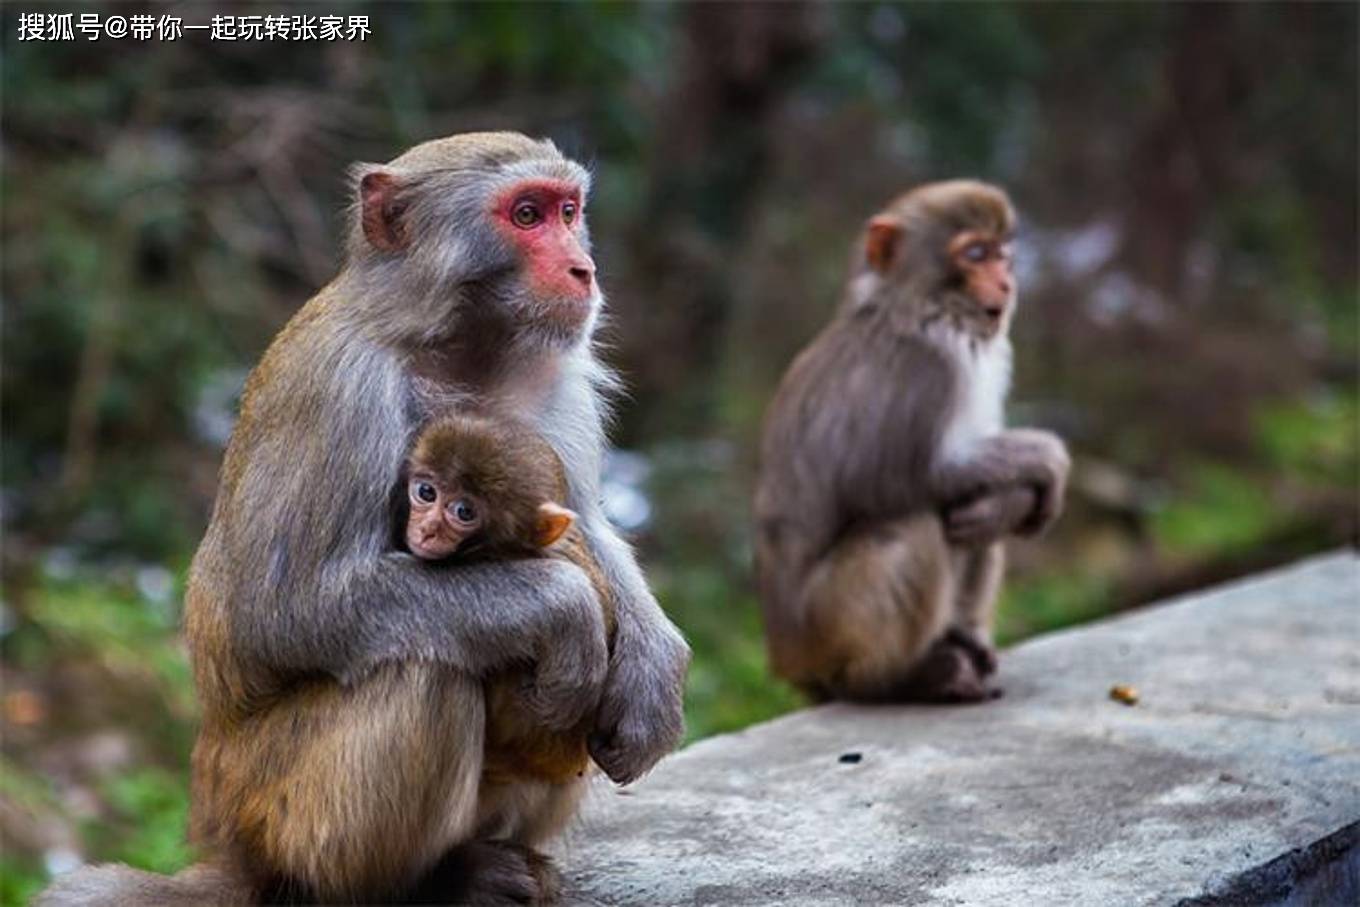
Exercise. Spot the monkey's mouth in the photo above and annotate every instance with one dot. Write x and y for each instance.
(431, 549)
(569, 315)
(993, 315)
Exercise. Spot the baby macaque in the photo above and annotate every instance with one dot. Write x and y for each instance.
(475, 487)
(490, 490)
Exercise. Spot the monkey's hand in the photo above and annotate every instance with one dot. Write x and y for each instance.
(573, 656)
(1021, 459)
(1017, 456)
(641, 717)
(982, 521)
(1047, 478)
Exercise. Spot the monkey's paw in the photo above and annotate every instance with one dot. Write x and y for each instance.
(573, 663)
(641, 716)
(953, 672)
(980, 651)
(499, 873)
(988, 519)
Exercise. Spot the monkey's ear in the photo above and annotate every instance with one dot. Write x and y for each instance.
(881, 241)
(551, 523)
(382, 210)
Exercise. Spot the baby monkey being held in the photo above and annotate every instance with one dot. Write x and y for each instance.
(487, 489)
(475, 487)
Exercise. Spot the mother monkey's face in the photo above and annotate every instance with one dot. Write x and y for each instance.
(479, 236)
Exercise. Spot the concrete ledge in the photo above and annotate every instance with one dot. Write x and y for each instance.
(1235, 779)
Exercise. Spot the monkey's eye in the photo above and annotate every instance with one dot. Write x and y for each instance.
(424, 492)
(464, 512)
(975, 252)
(526, 214)
(568, 212)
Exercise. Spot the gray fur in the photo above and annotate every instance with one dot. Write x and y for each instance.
(858, 490)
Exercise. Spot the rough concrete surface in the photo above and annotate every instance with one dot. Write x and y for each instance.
(1235, 779)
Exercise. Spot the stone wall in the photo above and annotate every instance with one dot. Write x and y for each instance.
(1234, 779)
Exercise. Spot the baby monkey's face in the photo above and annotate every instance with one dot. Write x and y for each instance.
(443, 517)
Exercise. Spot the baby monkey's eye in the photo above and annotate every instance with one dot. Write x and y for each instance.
(424, 492)
(464, 512)
(568, 212)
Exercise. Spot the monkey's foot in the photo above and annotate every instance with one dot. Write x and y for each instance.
(982, 652)
(949, 673)
(546, 875)
(486, 873)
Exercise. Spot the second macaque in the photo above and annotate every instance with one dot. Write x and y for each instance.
(888, 476)
(483, 489)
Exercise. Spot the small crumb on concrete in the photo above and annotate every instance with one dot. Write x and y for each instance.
(1122, 692)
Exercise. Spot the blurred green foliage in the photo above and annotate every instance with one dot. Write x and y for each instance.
(1187, 175)
(21, 874)
(151, 809)
(1042, 603)
(1221, 508)
(1312, 440)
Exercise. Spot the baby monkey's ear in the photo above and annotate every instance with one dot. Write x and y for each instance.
(551, 523)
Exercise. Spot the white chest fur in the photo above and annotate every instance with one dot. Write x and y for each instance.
(980, 405)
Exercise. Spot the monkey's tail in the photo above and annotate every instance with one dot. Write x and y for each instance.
(116, 885)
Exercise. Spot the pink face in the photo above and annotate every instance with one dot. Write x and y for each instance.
(541, 218)
(984, 260)
(441, 517)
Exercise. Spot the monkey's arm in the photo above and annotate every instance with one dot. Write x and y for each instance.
(478, 618)
(640, 718)
(983, 485)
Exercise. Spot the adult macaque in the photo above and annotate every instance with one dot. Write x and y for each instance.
(887, 478)
(488, 490)
(341, 751)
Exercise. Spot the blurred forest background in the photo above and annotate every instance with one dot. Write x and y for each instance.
(1187, 175)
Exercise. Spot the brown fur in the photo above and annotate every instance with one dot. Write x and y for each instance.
(513, 471)
(504, 463)
(877, 550)
(518, 747)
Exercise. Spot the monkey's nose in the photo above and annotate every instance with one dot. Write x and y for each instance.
(584, 274)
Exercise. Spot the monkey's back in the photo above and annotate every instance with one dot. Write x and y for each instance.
(854, 415)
